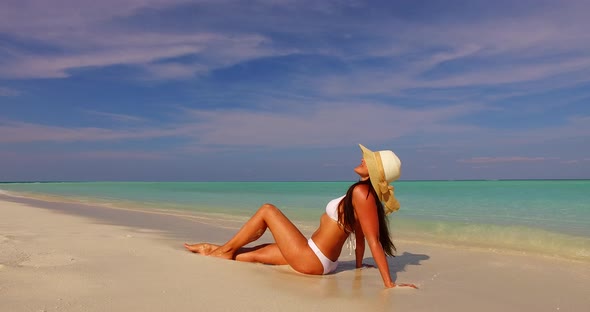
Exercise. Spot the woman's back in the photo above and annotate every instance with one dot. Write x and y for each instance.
(329, 237)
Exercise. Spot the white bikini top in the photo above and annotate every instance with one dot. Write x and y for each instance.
(332, 208)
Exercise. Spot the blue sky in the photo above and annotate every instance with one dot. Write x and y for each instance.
(285, 90)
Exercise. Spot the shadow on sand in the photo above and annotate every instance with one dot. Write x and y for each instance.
(396, 264)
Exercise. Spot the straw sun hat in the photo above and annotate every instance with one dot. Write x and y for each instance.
(384, 168)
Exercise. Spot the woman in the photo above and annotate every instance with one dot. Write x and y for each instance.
(360, 211)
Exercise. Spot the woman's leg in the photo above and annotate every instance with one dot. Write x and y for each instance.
(289, 241)
(201, 248)
(265, 253)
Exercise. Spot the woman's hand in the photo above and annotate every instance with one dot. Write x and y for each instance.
(392, 285)
(366, 266)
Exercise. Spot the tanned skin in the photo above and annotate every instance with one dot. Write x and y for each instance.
(291, 246)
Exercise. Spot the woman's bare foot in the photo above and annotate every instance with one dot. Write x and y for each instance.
(223, 252)
(202, 248)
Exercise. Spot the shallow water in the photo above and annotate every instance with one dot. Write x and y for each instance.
(546, 217)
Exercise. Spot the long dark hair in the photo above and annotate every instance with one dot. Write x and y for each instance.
(348, 220)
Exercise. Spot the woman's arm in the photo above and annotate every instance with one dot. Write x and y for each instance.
(360, 245)
(366, 212)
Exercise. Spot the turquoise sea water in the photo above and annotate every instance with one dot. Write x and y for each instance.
(545, 217)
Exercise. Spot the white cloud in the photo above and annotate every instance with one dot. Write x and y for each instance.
(8, 92)
(488, 160)
(144, 50)
(324, 125)
(83, 34)
(143, 155)
(511, 73)
(89, 154)
(11, 132)
(327, 124)
(362, 81)
(173, 71)
(116, 117)
(574, 127)
(38, 18)
(570, 162)
(57, 66)
(541, 43)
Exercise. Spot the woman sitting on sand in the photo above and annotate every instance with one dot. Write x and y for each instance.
(360, 211)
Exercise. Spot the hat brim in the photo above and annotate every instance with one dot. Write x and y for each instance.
(372, 166)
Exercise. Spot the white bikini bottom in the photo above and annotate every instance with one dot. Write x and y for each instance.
(329, 265)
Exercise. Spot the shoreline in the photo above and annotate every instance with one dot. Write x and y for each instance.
(72, 257)
(547, 244)
(279, 181)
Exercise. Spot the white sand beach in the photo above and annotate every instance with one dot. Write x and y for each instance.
(73, 257)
